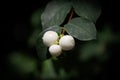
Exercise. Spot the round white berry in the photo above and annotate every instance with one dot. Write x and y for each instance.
(55, 50)
(67, 42)
(50, 37)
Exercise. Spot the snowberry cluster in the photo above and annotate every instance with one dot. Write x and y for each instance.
(58, 43)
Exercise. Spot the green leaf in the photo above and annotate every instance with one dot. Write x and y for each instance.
(22, 63)
(41, 48)
(93, 50)
(53, 28)
(88, 51)
(106, 35)
(63, 74)
(82, 29)
(33, 38)
(55, 13)
(48, 70)
(88, 9)
(35, 18)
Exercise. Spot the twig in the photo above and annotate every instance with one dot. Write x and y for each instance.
(71, 15)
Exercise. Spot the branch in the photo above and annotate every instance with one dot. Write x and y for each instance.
(71, 15)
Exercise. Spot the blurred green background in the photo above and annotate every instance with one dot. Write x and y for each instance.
(97, 60)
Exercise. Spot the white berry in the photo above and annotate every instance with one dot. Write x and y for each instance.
(67, 42)
(50, 37)
(55, 50)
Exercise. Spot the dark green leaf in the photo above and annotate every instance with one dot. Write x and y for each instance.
(35, 18)
(48, 70)
(81, 29)
(88, 9)
(63, 74)
(88, 51)
(32, 39)
(22, 63)
(53, 28)
(92, 50)
(55, 13)
(41, 48)
(106, 35)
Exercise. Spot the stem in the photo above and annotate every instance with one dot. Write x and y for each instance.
(54, 58)
(63, 30)
(71, 15)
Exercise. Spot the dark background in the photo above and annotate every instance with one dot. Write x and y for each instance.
(16, 28)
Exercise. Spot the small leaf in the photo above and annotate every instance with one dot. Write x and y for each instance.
(55, 13)
(41, 48)
(81, 29)
(88, 9)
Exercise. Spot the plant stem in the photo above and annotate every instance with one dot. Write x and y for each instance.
(71, 15)
(63, 30)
